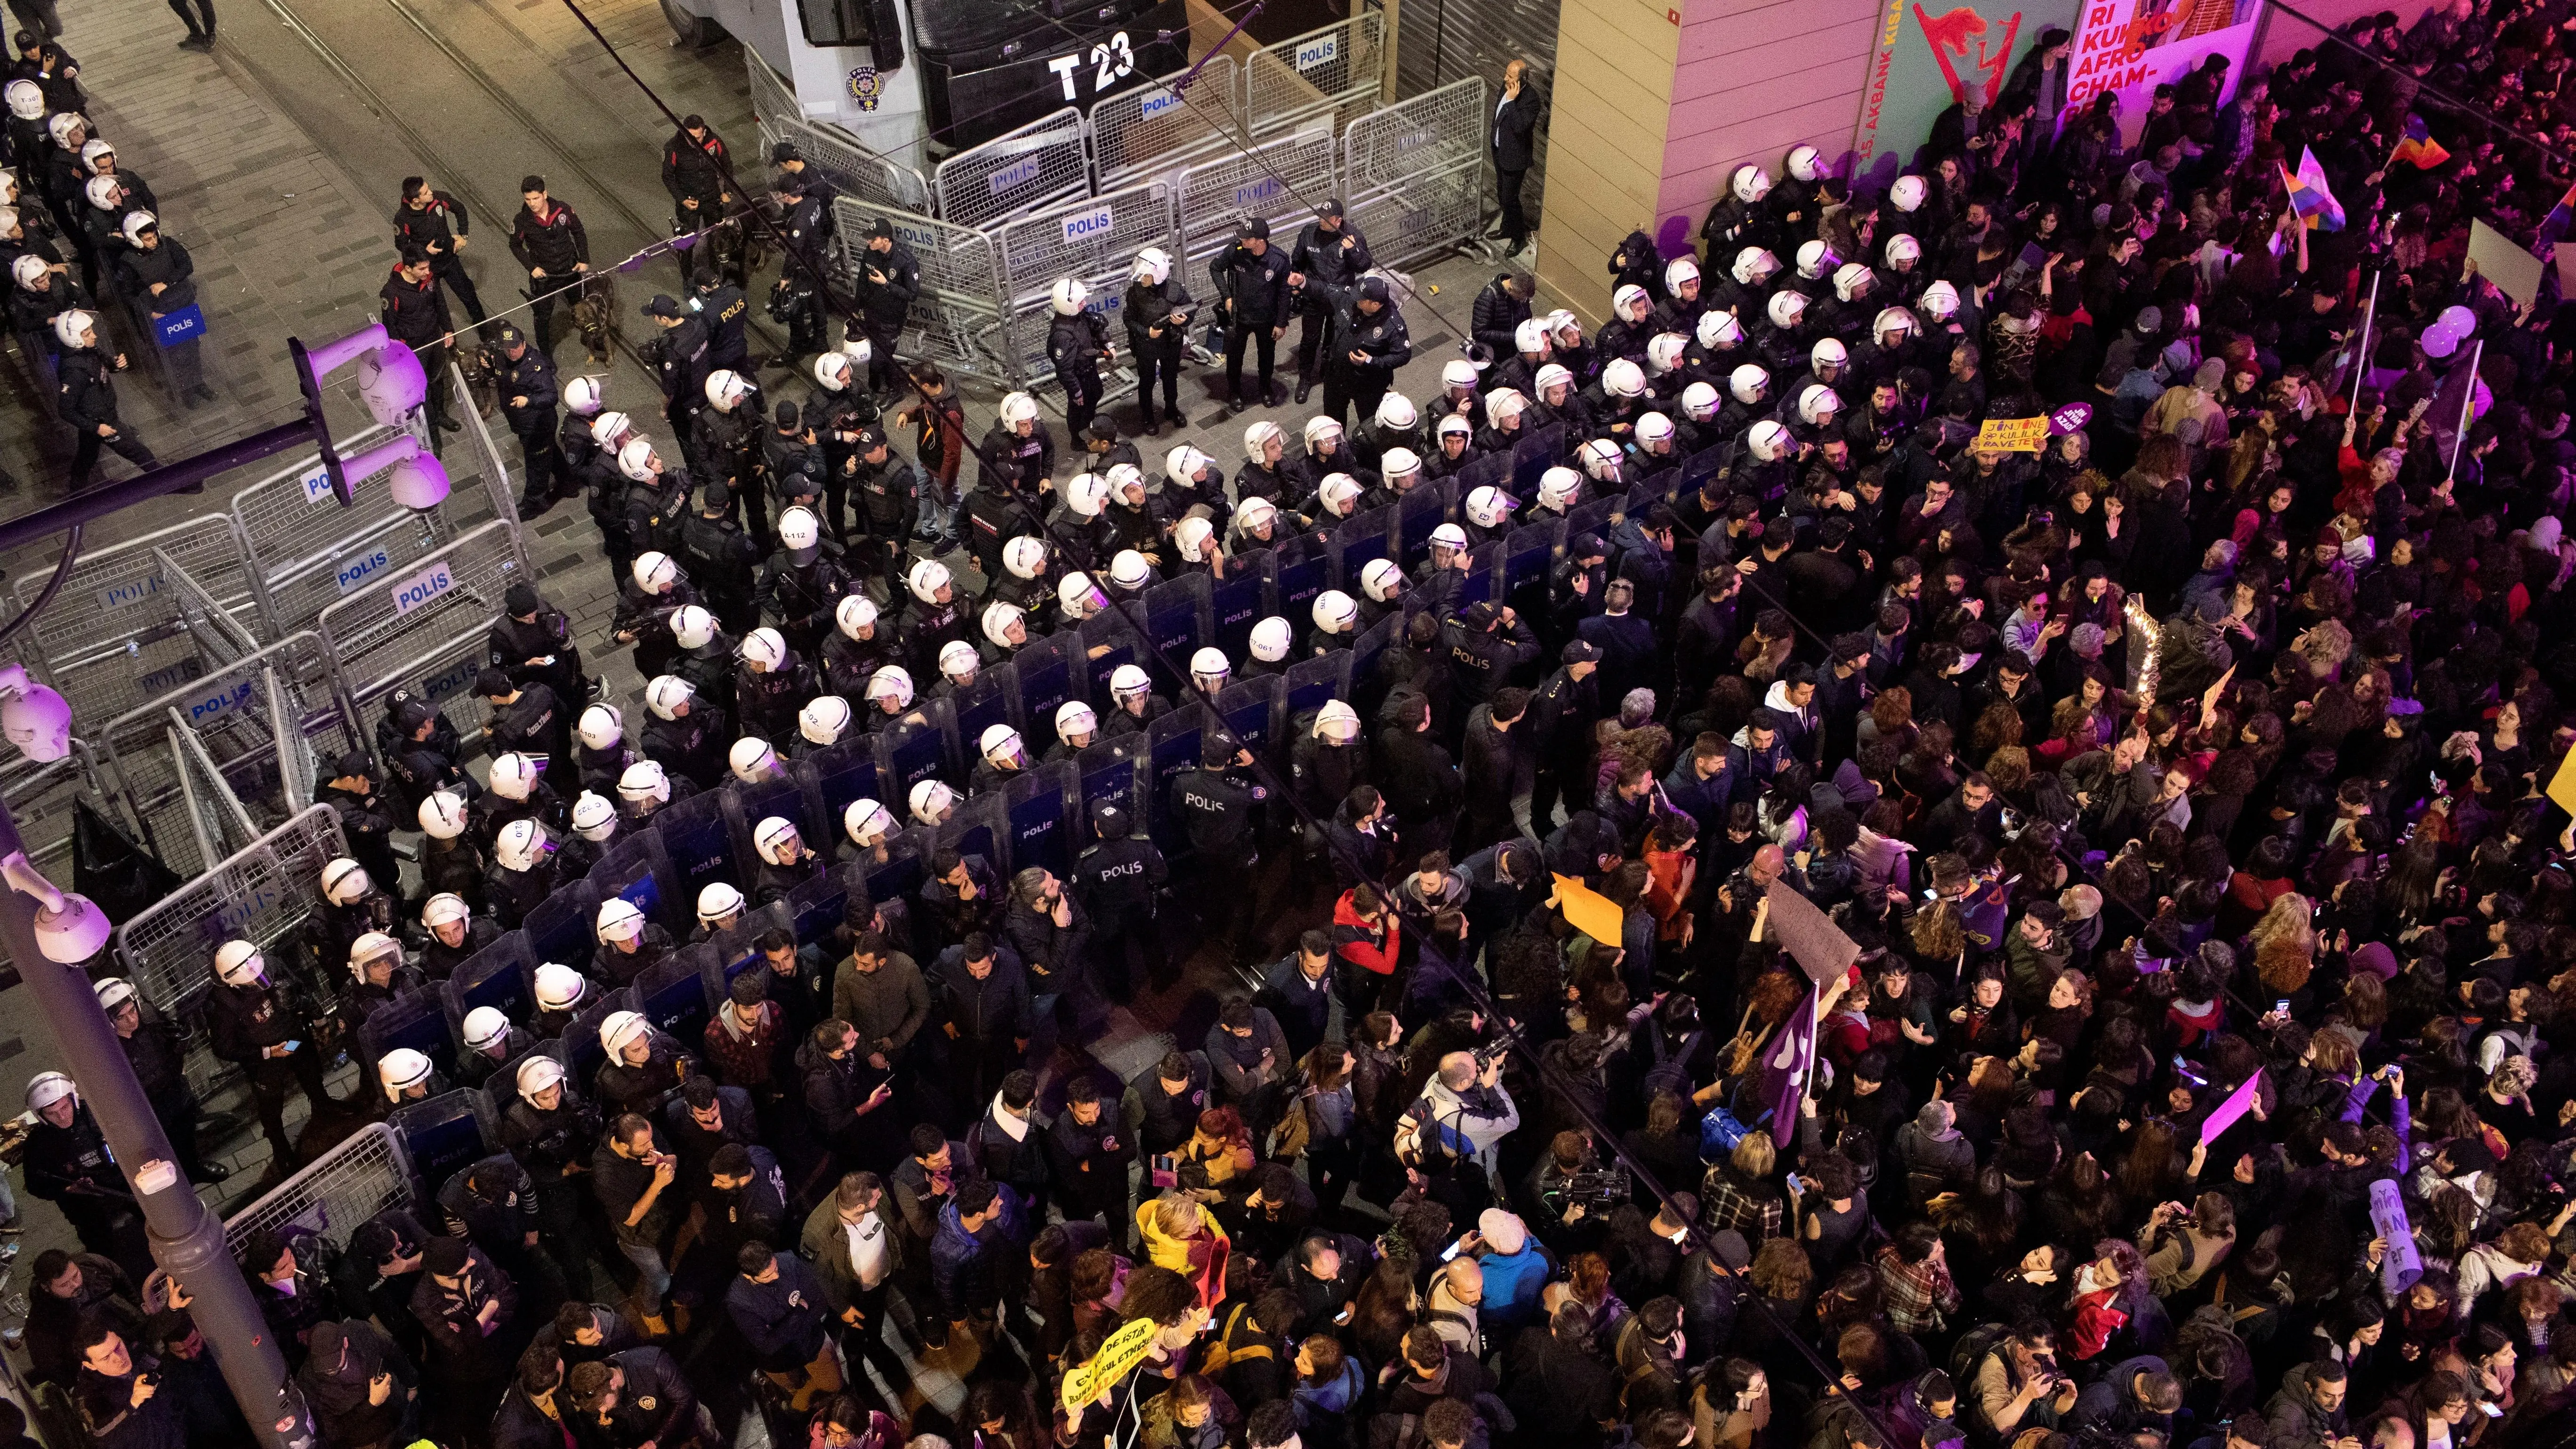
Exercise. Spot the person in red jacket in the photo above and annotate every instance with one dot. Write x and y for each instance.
(1366, 938)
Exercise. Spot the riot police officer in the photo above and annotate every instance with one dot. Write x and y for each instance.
(68, 1165)
(1077, 344)
(158, 1051)
(1158, 310)
(260, 1026)
(727, 313)
(802, 583)
(890, 491)
(1329, 257)
(1369, 343)
(886, 279)
(721, 559)
(552, 1132)
(1252, 296)
(771, 685)
(680, 358)
(1118, 879)
(523, 872)
(858, 646)
(528, 405)
(835, 414)
(725, 448)
(533, 644)
(1214, 804)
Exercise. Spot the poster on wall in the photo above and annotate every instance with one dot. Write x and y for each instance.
(2130, 47)
(1933, 54)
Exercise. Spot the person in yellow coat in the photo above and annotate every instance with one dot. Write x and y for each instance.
(1184, 1237)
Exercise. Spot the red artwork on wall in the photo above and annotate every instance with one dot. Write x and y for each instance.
(1958, 34)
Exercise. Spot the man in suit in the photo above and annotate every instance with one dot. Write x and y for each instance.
(1515, 132)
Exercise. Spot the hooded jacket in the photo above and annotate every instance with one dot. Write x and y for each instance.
(781, 1320)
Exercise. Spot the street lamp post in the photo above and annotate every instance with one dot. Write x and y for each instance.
(187, 1238)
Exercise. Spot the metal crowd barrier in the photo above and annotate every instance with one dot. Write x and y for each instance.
(1413, 175)
(1276, 180)
(216, 816)
(432, 617)
(116, 635)
(1019, 171)
(1096, 243)
(854, 169)
(262, 894)
(958, 319)
(1333, 72)
(361, 1177)
(1159, 127)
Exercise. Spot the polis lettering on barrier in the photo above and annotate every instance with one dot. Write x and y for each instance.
(1084, 225)
(423, 587)
(132, 591)
(365, 566)
(221, 702)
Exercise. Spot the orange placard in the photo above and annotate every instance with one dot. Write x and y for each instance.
(1588, 910)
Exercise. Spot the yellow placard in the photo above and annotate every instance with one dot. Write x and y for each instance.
(2562, 786)
(1588, 910)
(1117, 1358)
(2012, 435)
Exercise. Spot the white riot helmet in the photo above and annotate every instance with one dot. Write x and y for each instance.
(619, 920)
(611, 430)
(854, 613)
(1631, 302)
(1128, 570)
(1754, 266)
(999, 617)
(1896, 320)
(857, 350)
(1086, 495)
(832, 370)
(46, 1088)
(623, 1029)
(1623, 379)
(1552, 376)
(798, 530)
(1068, 296)
(446, 909)
(1654, 428)
(1334, 612)
(540, 1074)
(1079, 597)
(644, 780)
(1679, 273)
(666, 695)
(777, 841)
(891, 684)
(1664, 352)
(1449, 536)
(593, 818)
(1815, 259)
(602, 727)
(1459, 372)
(1074, 720)
(1828, 352)
(636, 460)
(1258, 438)
(1018, 408)
(400, 1070)
(1394, 464)
(72, 328)
(1751, 184)
(1024, 556)
(1786, 308)
(1818, 403)
(1451, 426)
(103, 191)
(868, 822)
(1489, 507)
(1558, 487)
(1129, 681)
(1182, 464)
(694, 627)
(1531, 336)
(559, 988)
(1769, 441)
(1941, 300)
(514, 775)
(1600, 459)
(718, 902)
(442, 815)
(1395, 411)
(61, 124)
(486, 1027)
(726, 389)
(1319, 429)
(238, 963)
(344, 882)
(1340, 492)
(1122, 476)
(1271, 639)
(522, 844)
(927, 578)
(1255, 512)
(1853, 281)
(136, 223)
(1195, 537)
(1806, 163)
(1382, 579)
(823, 719)
(1002, 748)
(1337, 722)
(29, 270)
(113, 992)
(1210, 669)
(26, 100)
(1153, 265)
(1748, 382)
(1699, 402)
(1908, 193)
(654, 571)
(1719, 329)
(958, 660)
(1902, 250)
(370, 947)
(752, 759)
(764, 649)
(1505, 402)
(932, 801)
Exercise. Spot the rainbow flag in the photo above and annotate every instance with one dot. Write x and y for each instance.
(2310, 197)
(2418, 148)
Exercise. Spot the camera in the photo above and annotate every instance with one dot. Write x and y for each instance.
(1605, 1187)
(1487, 1055)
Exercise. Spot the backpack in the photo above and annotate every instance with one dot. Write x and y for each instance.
(1970, 1352)
(1671, 1073)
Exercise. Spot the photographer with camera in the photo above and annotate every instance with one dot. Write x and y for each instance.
(2018, 1385)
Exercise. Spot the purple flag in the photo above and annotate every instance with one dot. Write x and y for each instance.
(1787, 1060)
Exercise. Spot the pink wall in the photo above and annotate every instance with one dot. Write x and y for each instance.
(1754, 78)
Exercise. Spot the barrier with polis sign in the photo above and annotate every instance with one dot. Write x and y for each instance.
(360, 1177)
(1163, 126)
(1413, 175)
(1094, 242)
(1018, 171)
(116, 636)
(1333, 73)
(957, 317)
(436, 610)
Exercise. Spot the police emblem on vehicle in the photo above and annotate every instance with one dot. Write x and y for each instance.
(866, 87)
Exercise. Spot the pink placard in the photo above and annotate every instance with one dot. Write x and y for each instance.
(2238, 1103)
